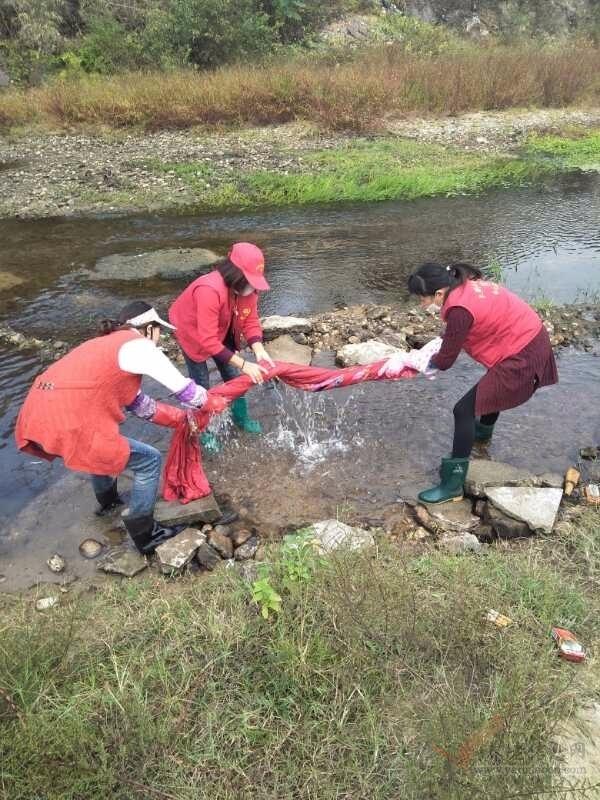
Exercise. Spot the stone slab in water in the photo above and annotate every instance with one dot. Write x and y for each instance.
(175, 553)
(284, 348)
(276, 325)
(204, 510)
(537, 507)
(362, 353)
(483, 474)
(165, 264)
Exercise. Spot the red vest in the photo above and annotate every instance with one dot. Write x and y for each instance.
(206, 310)
(503, 324)
(74, 408)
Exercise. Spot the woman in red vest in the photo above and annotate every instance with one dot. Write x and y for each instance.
(501, 332)
(74, 409)
(213, 314)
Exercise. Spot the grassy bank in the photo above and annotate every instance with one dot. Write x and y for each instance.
(389, 169)
(354, 94)
(377, 679)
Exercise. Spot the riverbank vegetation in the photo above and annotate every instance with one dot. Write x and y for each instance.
(358, 93)
(370, 170)
(377, 677)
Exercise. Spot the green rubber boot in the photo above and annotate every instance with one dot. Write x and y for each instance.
(210, 443)
(453, 473)
(241, 418)
(483, 433)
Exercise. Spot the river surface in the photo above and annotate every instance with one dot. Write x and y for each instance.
(389, 437)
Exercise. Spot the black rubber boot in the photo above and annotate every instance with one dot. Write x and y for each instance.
(147, 534)
(108, 500)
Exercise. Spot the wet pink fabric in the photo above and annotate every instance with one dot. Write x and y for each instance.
(184, 478)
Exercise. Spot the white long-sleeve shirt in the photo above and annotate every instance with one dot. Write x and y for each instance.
(142, 357)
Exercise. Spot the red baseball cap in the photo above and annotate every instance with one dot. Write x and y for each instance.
(250, 259)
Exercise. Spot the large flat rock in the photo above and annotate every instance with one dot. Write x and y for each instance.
(165, 264)
(284, 348)
(175, 553)
(276, 325)
(537, 507)
(483, 474)
(204, 510)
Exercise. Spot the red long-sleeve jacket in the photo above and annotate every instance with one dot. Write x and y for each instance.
(204, 313)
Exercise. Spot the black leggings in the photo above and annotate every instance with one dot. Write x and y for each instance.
(464, 424)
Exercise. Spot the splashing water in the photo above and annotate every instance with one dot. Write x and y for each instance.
(311, 426)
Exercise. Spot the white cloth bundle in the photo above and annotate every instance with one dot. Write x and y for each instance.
(415, 359)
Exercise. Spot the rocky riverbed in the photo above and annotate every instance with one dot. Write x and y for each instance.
(72, 173)
(397, 326)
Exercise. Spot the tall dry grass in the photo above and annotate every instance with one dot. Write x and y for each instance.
(356, 95)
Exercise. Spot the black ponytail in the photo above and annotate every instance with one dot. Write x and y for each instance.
(120, 324)
(431, 277)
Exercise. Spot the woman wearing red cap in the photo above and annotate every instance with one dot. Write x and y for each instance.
(212, 314)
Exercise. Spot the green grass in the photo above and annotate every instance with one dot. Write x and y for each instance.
(376, 665)
(570, 153)
(390, 169)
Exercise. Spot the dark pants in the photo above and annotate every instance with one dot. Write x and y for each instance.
(464, 424)
(198, 371)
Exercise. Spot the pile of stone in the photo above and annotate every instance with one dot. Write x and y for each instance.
(404, 327)
(209, 548)
(203, 544)
(501, 502)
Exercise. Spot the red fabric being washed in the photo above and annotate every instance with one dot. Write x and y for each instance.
(184, 478)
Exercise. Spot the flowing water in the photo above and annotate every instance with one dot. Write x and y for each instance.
(364, 446)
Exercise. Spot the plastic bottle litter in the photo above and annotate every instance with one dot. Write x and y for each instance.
(571, 480)
(592, 494)
(568, 646)
(45, 603)
(498, 619)
(56, 563)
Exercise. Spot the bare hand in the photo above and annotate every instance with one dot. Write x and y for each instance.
(262, 355)
(254, 371)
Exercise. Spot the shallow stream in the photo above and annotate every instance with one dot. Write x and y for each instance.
(390, 437)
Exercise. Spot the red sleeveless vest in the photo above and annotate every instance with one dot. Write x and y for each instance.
(74, 408)
(503, 324)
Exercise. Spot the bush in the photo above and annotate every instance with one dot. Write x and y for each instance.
(108, 47)
(208, 33)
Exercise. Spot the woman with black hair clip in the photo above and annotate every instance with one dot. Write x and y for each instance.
(498, 330)
(74, 409)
